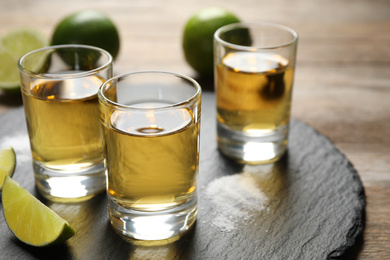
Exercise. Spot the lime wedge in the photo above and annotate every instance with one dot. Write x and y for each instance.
(30, 220)
(13, 46)
(7, 164)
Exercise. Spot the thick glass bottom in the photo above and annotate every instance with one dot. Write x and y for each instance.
(70, 186)
(153, 228)
(252, 149)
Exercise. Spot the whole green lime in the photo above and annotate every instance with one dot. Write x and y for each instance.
(90, 27)
(198, 37)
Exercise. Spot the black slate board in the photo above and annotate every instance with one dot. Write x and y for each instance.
(314, 208)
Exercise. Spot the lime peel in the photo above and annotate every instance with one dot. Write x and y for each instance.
(198, 35)
(7, 164)
(30, 220)
(89, 27)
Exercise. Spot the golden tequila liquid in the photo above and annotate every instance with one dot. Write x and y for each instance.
(152, 157)
(63, 122)
(254, 92)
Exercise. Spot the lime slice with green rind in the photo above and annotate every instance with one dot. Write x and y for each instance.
(9, 76)
(7, 164)
(23, 40)
(30, 220)
(13, 46)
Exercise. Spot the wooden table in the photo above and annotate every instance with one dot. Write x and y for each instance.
(342, 84)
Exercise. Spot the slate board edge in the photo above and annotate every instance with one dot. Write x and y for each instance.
(355, 234)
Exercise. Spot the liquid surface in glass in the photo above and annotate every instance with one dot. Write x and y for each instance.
(254, 91)
(63, 122)
(152, 157)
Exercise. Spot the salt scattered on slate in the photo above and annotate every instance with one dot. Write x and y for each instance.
(236, 198)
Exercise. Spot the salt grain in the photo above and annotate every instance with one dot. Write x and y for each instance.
(235, 197)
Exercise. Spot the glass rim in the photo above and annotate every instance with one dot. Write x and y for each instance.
(196, 95)
(248, 24)
(80, 74)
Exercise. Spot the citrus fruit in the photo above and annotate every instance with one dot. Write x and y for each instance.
(13, 45)
(7, 164)
(198, 37)
(30, 220)
(89, 27)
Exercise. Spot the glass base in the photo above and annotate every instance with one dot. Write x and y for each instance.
(153, 228)
(252, 149)
(70, 186)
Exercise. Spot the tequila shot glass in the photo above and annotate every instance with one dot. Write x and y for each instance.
(254, 67)
(151, 123)
(59, 87)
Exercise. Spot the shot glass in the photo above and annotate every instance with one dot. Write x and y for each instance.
(254, 67)
(151, 122)
(59, 87)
